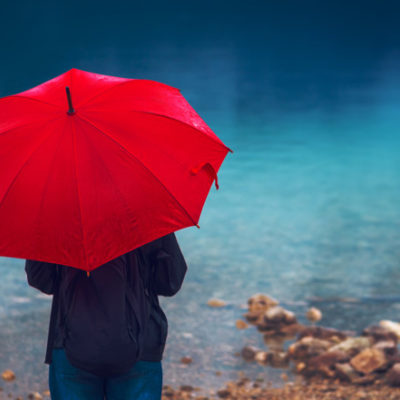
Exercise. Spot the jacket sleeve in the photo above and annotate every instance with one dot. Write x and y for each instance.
(169, 266)
(41, 275)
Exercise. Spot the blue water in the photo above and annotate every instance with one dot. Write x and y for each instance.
(308, 205)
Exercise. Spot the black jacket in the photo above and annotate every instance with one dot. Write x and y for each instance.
(162, 259)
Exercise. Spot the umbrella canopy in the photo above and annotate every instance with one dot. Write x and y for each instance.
(93, 166)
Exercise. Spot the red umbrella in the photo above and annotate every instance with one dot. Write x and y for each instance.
(93, 166)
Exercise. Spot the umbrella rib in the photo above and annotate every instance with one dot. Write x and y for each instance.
(181, 122)
(20, 126)
(102, 92)
(79, 196)
(142, 164)
(33, 99)
(25, 163)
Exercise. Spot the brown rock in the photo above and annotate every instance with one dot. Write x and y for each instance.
(253, 317)
(380, 333)
(259, 302)
(35, 396)
(278, 359)
(223, 393)
(314, 314)
(393, 375)
(389, 347)
(368, 361)
(392, 326)
(46, 393)
(249, 352)
(240, 324)
(216, 303)
(346, 372)
(353, 345)
(186, 360)
(261, 357)
(308, 347)
(8, 375)
(320, 332)
(278, 315)
(186, 388)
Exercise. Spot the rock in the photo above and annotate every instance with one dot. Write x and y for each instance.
(186, 388)
(278, 315)
(169, 392)
(365, 380)
(300, 366)
(391, 326)
(259, 302)
(320, 332)
(249, 353)
(278, 359)
(389, 347)
(186, 360)
(46, 393)
(393, 375)
(314, 314)
(379, 333)
(218, 373)
(352, 346)
(324, 363)
(368, 360)
(261, 357)
(346, 372)
(223, 393)
(240, 324)
(35, 396)
(8, 375)
(216, 303)
(308, 347)
(253, 317)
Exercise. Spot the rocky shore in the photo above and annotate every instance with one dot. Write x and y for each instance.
(322, 362)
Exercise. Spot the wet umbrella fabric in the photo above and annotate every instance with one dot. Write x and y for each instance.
(115, 164)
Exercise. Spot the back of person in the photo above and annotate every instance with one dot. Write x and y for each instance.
(91, 317)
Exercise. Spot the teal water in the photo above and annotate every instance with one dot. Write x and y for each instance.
(308, 205)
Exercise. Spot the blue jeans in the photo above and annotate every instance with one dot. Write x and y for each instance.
(66, 382)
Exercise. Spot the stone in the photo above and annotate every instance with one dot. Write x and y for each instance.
(393, 327)
(46, 393)
(223, 393)
(35, 396)
(259, 302)
(240, 324)
(249, 352)
(319, 332)
(323, 364)
(186, 360)
(279, 315)
(278, 359)
(308, 347)
(389, 347)
(393, 375)
(352, 346)
(314, 314)
(346, 372)
(379, 333)
(261, 357)
(186, 388)
(216, 303)
(8, 375)
(368, 360)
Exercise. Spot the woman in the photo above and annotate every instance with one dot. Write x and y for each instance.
(144, 379)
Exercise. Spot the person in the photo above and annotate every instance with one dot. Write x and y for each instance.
(144, 379)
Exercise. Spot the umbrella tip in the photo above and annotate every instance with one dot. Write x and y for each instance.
(71, 110)
(197, 226)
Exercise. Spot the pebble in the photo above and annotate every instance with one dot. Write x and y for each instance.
(216, 303)
(240, 324)
(186, 360)
(314, 314)
(8, 375)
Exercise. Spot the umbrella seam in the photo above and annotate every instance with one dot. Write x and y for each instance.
(143, 165)
(120, 84)
(22, 126)
(179, 121)
(33, 99)
(25, 163)
(78, 192)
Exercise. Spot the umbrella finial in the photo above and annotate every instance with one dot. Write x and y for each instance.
(71, 110)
